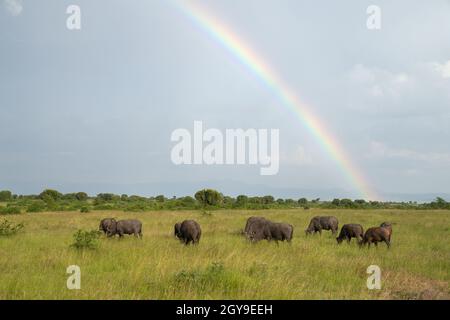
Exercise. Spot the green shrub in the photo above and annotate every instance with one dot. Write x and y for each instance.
(5, 195)
(37, 206)
(84, 209)
(136, 207)
(10, 210)
(85, 239)
(8, 228)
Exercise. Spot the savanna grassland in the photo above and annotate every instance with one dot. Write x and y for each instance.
(224, 265)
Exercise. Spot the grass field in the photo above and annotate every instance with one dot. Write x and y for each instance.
(224, 265)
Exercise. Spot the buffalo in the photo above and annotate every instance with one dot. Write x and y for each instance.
(105, 223)
(177, 232)
(280, 231)
(250, 221)
(268, 230)
(257, 229)
(375, 235)
(388, 227)
(122, 227)
(349, 231)
(317, 224)
(190, 231)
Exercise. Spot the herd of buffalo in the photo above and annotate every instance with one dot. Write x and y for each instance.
(260, 228)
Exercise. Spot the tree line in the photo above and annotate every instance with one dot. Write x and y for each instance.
(53, 200)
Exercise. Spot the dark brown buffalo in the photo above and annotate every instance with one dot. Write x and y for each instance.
(317, 224)
(388, 227)
(177, 232)
(250, 221)
(268, 230)
(349, 231)
(280, 231)
(104, 224)
(190, 231)
(375, 235)
(121, 227)
(258, 231)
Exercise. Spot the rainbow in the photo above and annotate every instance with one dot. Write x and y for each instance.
(230, 41)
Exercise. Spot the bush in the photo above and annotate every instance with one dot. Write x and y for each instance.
(5, 195)
(85, 239)
(10, 210)
(136, 207)
(37, 206)
(84, 210)
(8, 229)
(187, 201)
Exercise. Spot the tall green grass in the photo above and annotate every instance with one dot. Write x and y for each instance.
(224, 265)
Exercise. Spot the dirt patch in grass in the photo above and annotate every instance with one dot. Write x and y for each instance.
(403, 286)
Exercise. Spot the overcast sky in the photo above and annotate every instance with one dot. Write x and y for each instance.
(93, 109)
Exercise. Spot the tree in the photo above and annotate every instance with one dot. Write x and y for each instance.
(5, 195)
(440, 203)
(336, 202)
(208, 197)
(227, 200)
(49, 195)
(347, 203)
(241, 200)
(69, 196)
(107, 197)
(302, 201)
(81, 196)
(268, 199)
(160, 198)
(289, 201)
